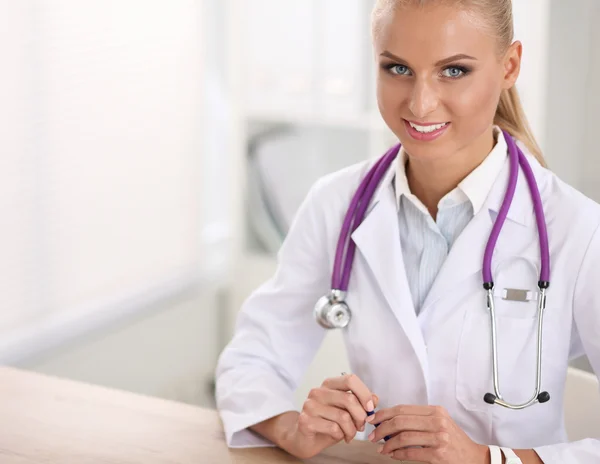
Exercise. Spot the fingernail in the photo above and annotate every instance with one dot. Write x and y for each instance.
(370, 406)
(371, 436)
(380, 449)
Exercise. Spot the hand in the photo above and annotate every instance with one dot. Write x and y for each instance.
(333, 412)
(431, 431)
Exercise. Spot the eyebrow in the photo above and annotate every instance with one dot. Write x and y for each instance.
(460, 56)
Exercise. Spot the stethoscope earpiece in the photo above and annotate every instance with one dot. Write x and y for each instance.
(490, 398)
(543, 397)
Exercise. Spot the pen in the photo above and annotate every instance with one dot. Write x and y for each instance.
(370, 413)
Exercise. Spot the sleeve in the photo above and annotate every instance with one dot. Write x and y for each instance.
(276, 336)
(586, 312)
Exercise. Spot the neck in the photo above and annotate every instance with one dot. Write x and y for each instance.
(431, 180)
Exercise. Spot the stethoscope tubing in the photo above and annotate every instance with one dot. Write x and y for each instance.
(346, 248)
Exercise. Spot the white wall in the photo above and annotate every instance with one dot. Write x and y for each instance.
(568, 93)
(109, 246)
(591, 162)
(218, 139)
(100, 187)
(532, 21)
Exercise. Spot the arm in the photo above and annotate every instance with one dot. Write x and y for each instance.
(586, 313)
(276, 429)
(424, 433)
(276, 336)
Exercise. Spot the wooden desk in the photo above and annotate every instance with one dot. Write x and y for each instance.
(55, 421)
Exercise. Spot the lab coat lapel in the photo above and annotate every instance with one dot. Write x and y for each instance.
(463, 266)
(378, 241)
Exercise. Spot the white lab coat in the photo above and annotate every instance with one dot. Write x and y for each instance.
(443, 355)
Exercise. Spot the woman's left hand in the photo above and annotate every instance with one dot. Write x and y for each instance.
(436, 437)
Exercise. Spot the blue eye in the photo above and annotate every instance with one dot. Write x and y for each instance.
(454, 72)
(398, 69)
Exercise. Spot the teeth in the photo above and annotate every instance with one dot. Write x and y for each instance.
(427, 129)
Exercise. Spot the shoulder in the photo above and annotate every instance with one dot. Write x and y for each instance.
(328, 199)
(564, 202)
(336, 189)
(571, 215)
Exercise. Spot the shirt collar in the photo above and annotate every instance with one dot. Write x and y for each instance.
(474, 188)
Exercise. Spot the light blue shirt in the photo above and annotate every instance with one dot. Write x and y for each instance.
(425, 242)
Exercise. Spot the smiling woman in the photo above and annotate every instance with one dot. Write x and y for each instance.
(472, 98)
(435, 264)
(449, 100)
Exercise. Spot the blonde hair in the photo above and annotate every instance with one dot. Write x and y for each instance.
(497, 18)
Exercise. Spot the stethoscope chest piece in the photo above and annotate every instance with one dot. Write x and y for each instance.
(332, 312)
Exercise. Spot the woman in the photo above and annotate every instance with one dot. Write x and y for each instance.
(419, 338)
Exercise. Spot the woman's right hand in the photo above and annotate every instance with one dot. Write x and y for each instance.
(335, 411)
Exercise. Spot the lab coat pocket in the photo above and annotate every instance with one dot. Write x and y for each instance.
(517, 332)
(516, 344)
(515, 303)
(516, 308)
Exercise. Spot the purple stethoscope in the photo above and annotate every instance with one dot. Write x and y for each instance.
(332, 312)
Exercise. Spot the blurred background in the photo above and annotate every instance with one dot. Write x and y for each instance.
(154, 154)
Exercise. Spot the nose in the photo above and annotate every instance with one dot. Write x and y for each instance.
(424, 99)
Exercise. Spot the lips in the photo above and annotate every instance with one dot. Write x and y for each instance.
(426, 132)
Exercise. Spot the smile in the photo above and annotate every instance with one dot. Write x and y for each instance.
(427, 129)
(426, 132)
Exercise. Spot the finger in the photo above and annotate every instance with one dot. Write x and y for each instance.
(405, 409)
(340, 417)
(399, 424)
(414, 455)
(351, 382)
(371, 414)
(343, 400)
(406, 439)
(309, 425)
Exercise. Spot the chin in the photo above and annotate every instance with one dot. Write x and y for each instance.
(429, 153)
(430, 150)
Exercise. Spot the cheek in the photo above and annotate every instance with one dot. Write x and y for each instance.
(473, 108)
(391, 98)
(474, 104)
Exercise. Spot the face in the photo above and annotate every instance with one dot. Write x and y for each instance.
(440, 71)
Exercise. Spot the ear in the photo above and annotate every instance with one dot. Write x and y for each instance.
(512, 64)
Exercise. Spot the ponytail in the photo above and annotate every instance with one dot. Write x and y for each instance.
(510, 116)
